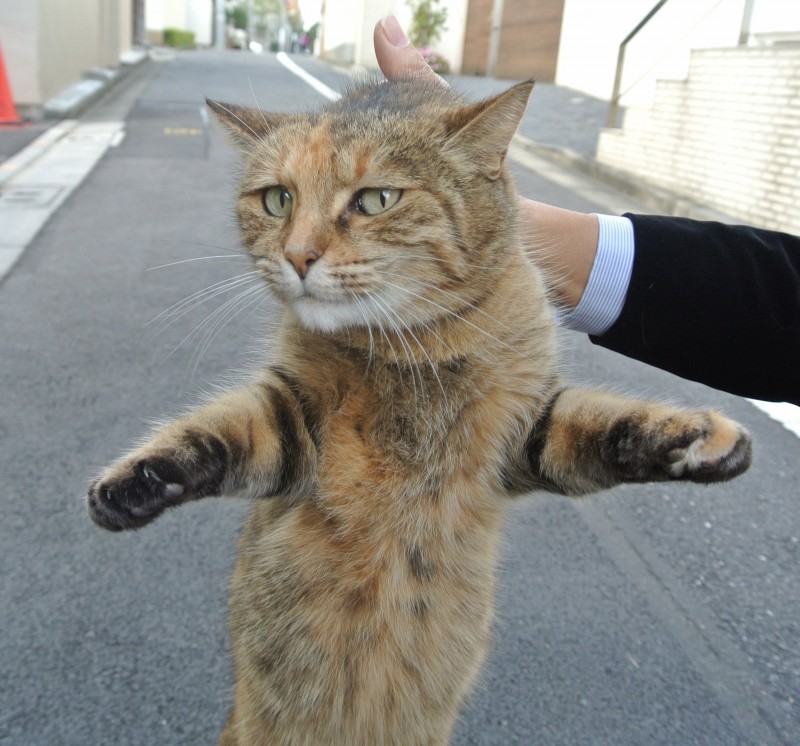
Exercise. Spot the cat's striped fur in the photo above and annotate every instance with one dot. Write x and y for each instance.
(415, 387)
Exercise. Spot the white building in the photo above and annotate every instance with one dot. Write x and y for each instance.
(592, 31)
(710, 96)
(196, 16)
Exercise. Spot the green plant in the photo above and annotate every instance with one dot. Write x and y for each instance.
(175, 37)
(427, 22)
(435, 60)
(237, 16)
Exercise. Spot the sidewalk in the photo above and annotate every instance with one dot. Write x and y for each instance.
(14, 140)
(43, 163)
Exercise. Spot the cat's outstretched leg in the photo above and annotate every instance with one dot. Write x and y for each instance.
(256, 441)
(590, 440)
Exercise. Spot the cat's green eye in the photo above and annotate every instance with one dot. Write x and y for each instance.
(277, 201)
(376, 201)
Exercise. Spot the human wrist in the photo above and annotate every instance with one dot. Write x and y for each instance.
(563, 244)
(607, 287)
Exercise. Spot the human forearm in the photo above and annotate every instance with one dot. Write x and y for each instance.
(563, 243)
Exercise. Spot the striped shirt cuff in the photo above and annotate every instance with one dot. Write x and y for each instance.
(604, 295)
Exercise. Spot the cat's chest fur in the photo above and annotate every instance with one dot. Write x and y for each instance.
(406, 429)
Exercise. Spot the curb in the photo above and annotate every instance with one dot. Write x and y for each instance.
(74, 100)
(35, 150)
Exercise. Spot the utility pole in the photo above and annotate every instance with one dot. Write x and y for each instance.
(494, 37)
(139, 39)
(282, 34)
(219, 24)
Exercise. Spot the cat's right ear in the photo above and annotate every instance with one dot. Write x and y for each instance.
(242, 123)
(484, 130)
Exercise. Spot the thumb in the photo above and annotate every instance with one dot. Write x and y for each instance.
(397, 57)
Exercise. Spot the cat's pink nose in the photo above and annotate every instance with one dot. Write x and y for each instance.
(301, 260)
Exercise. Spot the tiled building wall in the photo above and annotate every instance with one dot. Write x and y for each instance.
(727, 137)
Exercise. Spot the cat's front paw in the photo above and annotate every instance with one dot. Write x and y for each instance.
(695, 446)
(722, 450)
(137, 489)
(131, 494)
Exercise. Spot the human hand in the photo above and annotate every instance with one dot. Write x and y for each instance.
(397, 57)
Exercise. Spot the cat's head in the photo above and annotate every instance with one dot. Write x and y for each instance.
(389, 208)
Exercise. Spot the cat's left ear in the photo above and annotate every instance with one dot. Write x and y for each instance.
(243, 124)
(485, 130)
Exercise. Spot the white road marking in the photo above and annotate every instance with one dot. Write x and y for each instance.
(787, 414)
(55, 164)
(317, 85)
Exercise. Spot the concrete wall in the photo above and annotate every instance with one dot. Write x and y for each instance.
(592, 31)
(338, 37)
(187, 15)
(19, 22)
(49, 44)
(727, 137)
(591, 36)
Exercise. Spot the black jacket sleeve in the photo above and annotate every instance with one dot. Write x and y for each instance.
(714, 303)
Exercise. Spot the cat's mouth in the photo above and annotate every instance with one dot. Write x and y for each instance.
(332, 300)
(309, 293)
(331, 309)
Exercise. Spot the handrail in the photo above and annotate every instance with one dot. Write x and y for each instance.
(613, 106)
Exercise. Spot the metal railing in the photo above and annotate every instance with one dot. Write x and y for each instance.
(613, 107)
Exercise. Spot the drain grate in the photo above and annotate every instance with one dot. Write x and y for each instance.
(28, 195)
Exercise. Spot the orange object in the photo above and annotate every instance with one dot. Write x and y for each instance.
(8, 112)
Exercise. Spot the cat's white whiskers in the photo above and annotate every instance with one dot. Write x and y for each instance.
(194, 259)
(258, 107)
(213, 318)
(180, 309)
(441, 260)
(249, 291)
(459, 298)
(450, 313)
(386, 312)
(470, 305)
(210, 290)
(232, 308)
(430, 328)
(424, 352)
(385, 336)
(240, 120)
(184, 242)
(391, 315)
(364, 310)
(423, 323)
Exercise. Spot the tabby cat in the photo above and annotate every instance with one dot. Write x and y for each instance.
(414, 386)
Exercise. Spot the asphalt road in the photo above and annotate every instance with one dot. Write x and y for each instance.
(645, 615)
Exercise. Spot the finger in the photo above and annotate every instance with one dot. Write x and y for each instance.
(397, 57)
